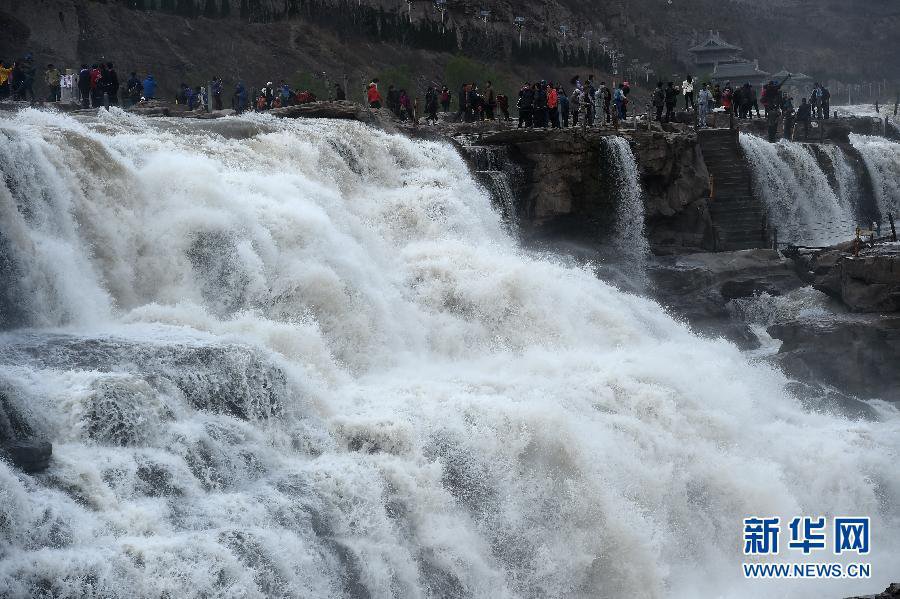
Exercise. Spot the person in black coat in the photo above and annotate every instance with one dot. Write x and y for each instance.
(84, 86)
(109, 80)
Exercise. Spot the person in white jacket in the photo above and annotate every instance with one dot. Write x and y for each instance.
(687, 88)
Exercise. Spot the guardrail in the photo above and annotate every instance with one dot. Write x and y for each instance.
(871, 235)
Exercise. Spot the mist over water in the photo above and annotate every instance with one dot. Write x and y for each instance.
(305, 358)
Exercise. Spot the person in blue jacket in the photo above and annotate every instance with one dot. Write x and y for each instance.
(239, 100)
(149, 87)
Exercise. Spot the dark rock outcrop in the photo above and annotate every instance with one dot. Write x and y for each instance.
(566, 185)
(31, 456)
(892, 592)
(857, 354)
(869, 282)
(698, 287)
(676, 190)
(560, 190)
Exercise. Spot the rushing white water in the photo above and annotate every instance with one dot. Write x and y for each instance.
(629, 237)
(304, 359)
(848, 186)
(882, 158)
(800, 201)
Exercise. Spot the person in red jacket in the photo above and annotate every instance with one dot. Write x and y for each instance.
(373, 96)
(96, 89)
(553, 105)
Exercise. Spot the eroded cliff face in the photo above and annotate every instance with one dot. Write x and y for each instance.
(675, 182)
(565, 185)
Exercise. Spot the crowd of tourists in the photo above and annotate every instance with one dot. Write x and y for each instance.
(543, 104)
(546, 104)
(98, 85)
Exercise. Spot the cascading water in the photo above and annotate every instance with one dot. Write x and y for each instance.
(882, 158)
(800, 201)
(305, 359)
(629, 236)
(493, 166)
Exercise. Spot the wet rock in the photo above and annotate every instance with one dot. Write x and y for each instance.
(892, 592)
(324, 110)
(869, 282)
(699, 286)
(675, 182)
(227, 379)
(31, 456)
(857, 354)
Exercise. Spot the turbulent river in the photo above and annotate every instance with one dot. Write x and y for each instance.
(307, 359)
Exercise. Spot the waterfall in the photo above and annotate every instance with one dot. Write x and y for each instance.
(495, 169)
(305, 359)
(629, 234)
(882, 158)
(797, 195)
(848, 186)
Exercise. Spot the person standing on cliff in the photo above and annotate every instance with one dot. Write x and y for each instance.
(575, 103)
(687, 88)
(619, 101)
(563, 106)
(216, 86)
(503, 105)
(133, 89)
(373, 97)
(704, 101)
(29, 74)
(804, 116)
(239, 100)
(110, 84)
(525, 104)
(671, 100)
(84, 85)
(51, 76)
(463, 100)
(540, 105)
(149, 87)
(490, 101)
(552, 106)
(606, 97)
(659, 100)
(826, 102)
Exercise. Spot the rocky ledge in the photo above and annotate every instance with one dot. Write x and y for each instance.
(699, 287)
(892, 592)
(867, 282)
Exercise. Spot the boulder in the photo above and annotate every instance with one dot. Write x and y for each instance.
(698, 287)
(30, 455)
(323, 110)
(855, 353)
(869, 282)
(892, 592)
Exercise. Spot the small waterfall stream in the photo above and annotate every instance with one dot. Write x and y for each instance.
(496, 171)
(629, 234)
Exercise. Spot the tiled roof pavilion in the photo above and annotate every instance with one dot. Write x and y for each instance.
(714, 43)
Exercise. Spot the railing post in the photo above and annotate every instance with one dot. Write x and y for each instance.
(893, 228)
(775, 238)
